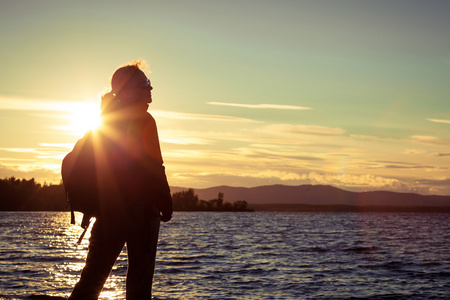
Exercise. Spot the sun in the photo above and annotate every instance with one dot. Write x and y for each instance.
(84, 117)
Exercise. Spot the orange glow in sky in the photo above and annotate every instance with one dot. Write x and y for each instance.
(348, 93)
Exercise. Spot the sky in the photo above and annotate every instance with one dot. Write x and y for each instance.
(353, 94)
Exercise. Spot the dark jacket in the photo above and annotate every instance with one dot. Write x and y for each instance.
(126, 169)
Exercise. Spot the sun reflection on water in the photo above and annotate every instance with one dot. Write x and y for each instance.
(50, 260)
(242, 256)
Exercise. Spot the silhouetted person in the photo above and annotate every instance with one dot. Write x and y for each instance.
(133, 189)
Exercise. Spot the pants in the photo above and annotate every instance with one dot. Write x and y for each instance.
(108, 236)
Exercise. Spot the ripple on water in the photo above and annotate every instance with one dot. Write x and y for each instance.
(245, 256)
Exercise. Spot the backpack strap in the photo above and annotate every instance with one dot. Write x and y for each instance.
(85, 224)
(86, 221)
(72, 213)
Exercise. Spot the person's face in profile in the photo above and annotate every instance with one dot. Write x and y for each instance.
(138, 90)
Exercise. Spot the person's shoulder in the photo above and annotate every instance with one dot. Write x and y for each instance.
(144, 121)
(86, 137)
(148, 118)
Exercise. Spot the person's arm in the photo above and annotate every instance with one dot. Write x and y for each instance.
(159, 184)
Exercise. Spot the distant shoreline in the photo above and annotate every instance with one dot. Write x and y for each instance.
(309, 208)
(286, 207)
(29, 195)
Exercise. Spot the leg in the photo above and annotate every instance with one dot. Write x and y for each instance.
(141, 249)
(105, 245)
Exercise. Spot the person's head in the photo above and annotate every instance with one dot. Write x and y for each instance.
(130, 87)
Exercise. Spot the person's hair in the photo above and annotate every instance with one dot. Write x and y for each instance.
(110, 101)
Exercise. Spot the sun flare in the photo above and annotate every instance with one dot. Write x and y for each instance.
(84, 117)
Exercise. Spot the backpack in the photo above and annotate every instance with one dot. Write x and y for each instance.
(79, 175)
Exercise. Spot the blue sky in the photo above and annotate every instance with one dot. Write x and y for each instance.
(348, 93)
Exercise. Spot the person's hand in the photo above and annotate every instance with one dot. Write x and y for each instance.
(166, 217)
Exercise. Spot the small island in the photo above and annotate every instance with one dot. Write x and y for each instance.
(189, 201)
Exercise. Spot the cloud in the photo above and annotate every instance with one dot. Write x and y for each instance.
(10, 103)
(261, 106)
(401, 165)
(304, 129)
(46, 150)
(187, 116)
(439, 121)
(414, 151)
(42, 174)
(421, 139)
(58, 145)
(433, 186)
(277, 155)
(186, 141)
(349, 180)
(19, 150)
(439, 154)
(431, 140)
(266, 174)
(371, 137)
(26, 160)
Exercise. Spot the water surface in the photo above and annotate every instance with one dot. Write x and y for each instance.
(204, 255)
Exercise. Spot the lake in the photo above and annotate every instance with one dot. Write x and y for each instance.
(260, 255)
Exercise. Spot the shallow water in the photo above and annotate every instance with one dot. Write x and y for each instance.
(204, 255)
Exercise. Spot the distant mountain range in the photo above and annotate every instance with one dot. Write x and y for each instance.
(318, 195)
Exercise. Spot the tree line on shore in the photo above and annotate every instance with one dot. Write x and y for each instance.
(29, 195)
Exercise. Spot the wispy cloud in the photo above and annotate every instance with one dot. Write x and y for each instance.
(439, 154)
(254, 153)
(439, 121)
(431, 140)
(58, 145)
(19, 150)
(372, 138)
(266, 174)
(261, 106)
(10, 103)
(186, 141)
(400, 164)
(46, 151)
(187, 116)
(414, 151)
(304, 129)
(363, 180)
